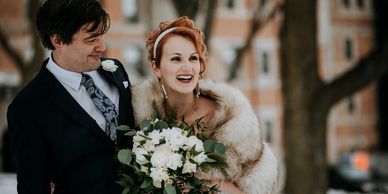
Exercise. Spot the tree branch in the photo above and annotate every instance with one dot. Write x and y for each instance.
(187, 8)
(258, 21)
(366, 70)
(209, 20)
(15, 56)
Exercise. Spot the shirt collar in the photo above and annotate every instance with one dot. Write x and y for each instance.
(72, 79)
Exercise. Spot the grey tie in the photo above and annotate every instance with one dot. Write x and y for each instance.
(104, 104)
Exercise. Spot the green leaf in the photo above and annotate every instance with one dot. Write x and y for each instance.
(130, 133)
(123, 128)
(219, 148)
(146, 184)
(145, 125)
(169, 189)
(209, 145)
(154, 115)
(196, 182)
(126, 190)
(161, 125)
(128, 179)
(125, 156)
(122, 183)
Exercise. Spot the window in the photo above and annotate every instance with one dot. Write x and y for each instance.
(229, 55)
(263, 3)
(346, 3)
(264, 62)
(348, 49)
(130, 9)
(230, 4)
(268, 130)
(351, 104)
(133, 58)
(361, 4)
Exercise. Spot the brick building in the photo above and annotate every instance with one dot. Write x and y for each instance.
(345, 35)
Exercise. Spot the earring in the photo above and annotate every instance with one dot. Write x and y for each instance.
(164, 94)
(197, 92)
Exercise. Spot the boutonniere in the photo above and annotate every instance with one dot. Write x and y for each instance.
(109, 65)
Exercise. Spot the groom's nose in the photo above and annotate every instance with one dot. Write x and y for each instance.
(100, 44)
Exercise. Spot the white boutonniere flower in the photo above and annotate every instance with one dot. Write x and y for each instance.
(109, 65)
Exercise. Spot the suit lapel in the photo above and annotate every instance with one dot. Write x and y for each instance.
(124, 98)
(66, 103)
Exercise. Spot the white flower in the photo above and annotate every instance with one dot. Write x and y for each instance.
(200, 158)
(158, 175)
(189, 167)
(159, 158)
(109, 65)
(193, 140)
(140, 152)
(174, 138)
(145, 170)
(138, 137)
(174, 161)
(149, 146)
(155, 135)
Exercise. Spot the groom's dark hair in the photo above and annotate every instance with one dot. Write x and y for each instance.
(64, 18)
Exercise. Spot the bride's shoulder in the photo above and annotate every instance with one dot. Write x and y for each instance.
(224, 94)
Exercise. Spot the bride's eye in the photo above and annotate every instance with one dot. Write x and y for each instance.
(193, 58)
(176, 59)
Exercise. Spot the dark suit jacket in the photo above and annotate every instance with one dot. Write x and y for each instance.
(53, 139)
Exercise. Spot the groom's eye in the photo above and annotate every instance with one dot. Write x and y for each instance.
(90, 41)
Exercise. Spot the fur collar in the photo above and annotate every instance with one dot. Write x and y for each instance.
(252, 165)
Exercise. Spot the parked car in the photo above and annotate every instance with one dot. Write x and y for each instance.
(360, 171)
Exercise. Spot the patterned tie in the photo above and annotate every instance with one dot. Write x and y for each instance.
(107, 108)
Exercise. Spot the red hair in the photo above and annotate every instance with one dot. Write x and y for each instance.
(184, 27)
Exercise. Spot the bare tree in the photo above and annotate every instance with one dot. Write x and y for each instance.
(190, 8)
(307, 99)
(261, 17)
(27, 68)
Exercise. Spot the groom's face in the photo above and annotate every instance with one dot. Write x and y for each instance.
(83, 53)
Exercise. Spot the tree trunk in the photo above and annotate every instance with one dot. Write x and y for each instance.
(304, 114)
(307, 99)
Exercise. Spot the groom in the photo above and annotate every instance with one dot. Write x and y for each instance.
(62, 124)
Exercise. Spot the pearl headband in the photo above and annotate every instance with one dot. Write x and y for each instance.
(161, 35)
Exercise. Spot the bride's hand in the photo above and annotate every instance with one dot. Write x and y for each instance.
(226, 186)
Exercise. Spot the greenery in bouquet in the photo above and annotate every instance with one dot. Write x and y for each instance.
(164, 158)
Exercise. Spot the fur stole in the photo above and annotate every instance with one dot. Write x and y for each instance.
(252, 165)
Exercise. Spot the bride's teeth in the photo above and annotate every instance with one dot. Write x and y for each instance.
(184, 77)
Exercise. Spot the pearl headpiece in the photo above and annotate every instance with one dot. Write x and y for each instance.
(161, 35)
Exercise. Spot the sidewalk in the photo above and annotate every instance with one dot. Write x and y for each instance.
(8, 183)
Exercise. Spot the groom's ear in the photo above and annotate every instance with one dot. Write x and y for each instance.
(155, 69)
(56, 41)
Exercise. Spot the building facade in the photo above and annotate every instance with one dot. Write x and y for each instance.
(345, 35)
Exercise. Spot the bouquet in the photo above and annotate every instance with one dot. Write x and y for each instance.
(164, 158)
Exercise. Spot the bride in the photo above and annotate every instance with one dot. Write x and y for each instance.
(177, 53)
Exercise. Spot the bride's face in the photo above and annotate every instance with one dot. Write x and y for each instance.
(179, 66)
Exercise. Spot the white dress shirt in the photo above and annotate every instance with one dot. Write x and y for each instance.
(72, 83)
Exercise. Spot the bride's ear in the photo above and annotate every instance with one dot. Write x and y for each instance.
(155, 69)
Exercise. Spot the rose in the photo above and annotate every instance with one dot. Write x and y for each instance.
(109, 65)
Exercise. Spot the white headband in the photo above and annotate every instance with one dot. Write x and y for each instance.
(160, 38)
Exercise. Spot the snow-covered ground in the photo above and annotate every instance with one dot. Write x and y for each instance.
(8, 186)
